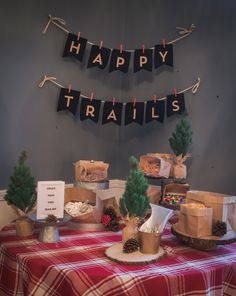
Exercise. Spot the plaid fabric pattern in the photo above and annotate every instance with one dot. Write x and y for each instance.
(77, 266)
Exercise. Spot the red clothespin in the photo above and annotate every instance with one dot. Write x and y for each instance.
(78, 35)
(121, 48)
(164, 43)
(69, 88)
(155, 99)
(175, 92)
(101, 43)
(113, 101)
(91, 96)
(143, 48)
(134, 101)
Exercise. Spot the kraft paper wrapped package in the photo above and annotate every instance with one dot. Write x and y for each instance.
(195, 220)
(223, 206)
(154, 166)
(91, 171)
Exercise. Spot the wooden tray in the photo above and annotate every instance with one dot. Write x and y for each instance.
(85, 226)
(115, 253)
(208, 243)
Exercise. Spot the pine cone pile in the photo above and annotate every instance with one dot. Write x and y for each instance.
(109, 219)
(110, 212)
(131, 245)
(114, 226)
(219, 229)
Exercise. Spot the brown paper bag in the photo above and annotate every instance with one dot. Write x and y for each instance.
(195, 220)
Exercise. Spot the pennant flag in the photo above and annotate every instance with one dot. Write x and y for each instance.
(155, 111)
(163, 55)
(112, 113)
(98, 57)
(119, 61)
(175, 104)
(68, 100)
(89, 109)
(142, 60)
(75, 47)
(134, 113)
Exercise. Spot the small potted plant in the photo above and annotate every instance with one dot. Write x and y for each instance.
(21, 195)
(180, 143)
(134, 202)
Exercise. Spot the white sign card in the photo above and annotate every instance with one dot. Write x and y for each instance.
(50, 199)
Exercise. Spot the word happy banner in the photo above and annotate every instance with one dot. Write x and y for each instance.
(89, 108)
(117, 59)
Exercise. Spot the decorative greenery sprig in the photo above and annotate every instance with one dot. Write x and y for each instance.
(134, 202)
(21, 189)
(181, 139)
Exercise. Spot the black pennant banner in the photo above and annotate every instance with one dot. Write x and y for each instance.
(163, 55)
(134, 112)
(119, 61)
(68, 100)
(175, 104)
(112, 112)
(155, 110)
(90, 109)
(143, 59)
(98, 57)
(75, 47)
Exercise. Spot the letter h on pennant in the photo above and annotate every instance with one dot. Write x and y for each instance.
(75, 47)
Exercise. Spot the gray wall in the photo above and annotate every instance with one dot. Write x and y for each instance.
(28, 117)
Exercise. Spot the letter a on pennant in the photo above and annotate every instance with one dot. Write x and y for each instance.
(89, 109)
(98, 57)
(175, 104)
(112, 113)
(75, 47)
(68, 100)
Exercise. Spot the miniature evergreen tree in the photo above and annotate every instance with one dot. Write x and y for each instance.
(181, 139)
(134, 203)
(21, 189)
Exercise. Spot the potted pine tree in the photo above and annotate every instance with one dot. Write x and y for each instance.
(180, 143)
(21, 195)
(134, 202)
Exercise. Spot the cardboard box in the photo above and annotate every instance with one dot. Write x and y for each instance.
(223, 206)
(75, 194)
(154, 166)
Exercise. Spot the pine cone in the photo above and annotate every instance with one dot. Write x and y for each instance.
(51, 219)
(219, 229)
(110, 212)
(131, 245)
(114, 226)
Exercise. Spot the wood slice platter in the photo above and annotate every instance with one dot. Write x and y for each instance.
(115, 253)
(207, 243)
(85, 226)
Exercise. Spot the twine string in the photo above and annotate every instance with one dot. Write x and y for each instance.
(194, 87)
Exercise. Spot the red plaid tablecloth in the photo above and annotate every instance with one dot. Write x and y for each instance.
(77, 266)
